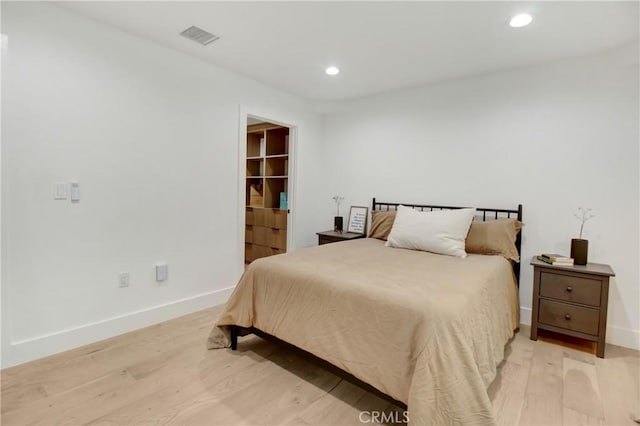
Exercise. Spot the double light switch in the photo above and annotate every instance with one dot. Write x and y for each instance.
(61, 191)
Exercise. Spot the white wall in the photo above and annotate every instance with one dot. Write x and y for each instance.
(152, 137)
(552, 137)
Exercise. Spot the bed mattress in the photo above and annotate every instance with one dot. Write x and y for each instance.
(426, 329)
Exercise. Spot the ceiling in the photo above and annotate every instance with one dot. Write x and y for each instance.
(378, 46)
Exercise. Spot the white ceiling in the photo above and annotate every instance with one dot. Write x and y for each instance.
(379, 46)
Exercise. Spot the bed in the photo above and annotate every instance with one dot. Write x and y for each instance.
(425, 330)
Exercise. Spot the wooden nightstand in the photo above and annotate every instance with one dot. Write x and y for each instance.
(327, 237)
(571, 300)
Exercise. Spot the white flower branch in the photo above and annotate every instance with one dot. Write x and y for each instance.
(338, 199)
(583, 215)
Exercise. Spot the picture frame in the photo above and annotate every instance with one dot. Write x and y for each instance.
(358, 220)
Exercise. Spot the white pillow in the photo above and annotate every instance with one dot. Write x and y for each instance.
(442, 232)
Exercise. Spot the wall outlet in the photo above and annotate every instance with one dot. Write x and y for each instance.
(162, 272)
(123, 279)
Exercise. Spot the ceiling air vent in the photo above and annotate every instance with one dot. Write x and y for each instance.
(199, 35)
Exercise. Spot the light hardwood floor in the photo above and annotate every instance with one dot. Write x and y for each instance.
(164, 374)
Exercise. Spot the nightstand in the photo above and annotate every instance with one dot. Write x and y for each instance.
(327, 237)
(571, 300)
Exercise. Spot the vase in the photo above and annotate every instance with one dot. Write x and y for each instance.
(337, 223)
(579, 251)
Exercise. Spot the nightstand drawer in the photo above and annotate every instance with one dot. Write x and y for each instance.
(327, 237)
(571, 317)
(570, 288)
(324, 239)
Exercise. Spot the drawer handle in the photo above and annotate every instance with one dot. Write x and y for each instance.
(569, 289)
(567, 317)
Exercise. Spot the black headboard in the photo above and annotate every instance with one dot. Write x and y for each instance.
(486, 214)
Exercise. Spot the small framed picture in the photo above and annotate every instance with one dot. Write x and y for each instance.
(358, 220)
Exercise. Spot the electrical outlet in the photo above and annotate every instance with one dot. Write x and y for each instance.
(162, 272)
(123, 279)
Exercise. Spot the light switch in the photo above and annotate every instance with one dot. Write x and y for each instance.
(162, 272)
(75, 191)
(60, 191)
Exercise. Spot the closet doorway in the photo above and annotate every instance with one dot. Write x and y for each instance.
(267, 188)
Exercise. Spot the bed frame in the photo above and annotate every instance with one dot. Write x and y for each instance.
(486, 215)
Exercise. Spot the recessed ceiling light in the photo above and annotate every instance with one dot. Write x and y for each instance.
(332, 71)
(521, 20)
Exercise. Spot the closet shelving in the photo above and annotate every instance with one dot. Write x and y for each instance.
(266, 181)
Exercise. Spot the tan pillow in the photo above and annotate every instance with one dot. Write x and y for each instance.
(494, 237)
(381, 223)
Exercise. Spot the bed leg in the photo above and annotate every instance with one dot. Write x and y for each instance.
(234, 337)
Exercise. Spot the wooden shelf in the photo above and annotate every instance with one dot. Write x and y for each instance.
(264, 208)
(277, 141)
(267, 176)
(255, 167)
(272, 190)
(254, 144)
(276, 166)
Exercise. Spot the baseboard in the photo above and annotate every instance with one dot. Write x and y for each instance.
(26, 350)
(525, 316)
(624, 337)
(618, 336)
(30, 349)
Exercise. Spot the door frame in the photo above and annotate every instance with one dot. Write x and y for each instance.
(244, 113)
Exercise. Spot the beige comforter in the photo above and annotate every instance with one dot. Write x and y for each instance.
(426, 329)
